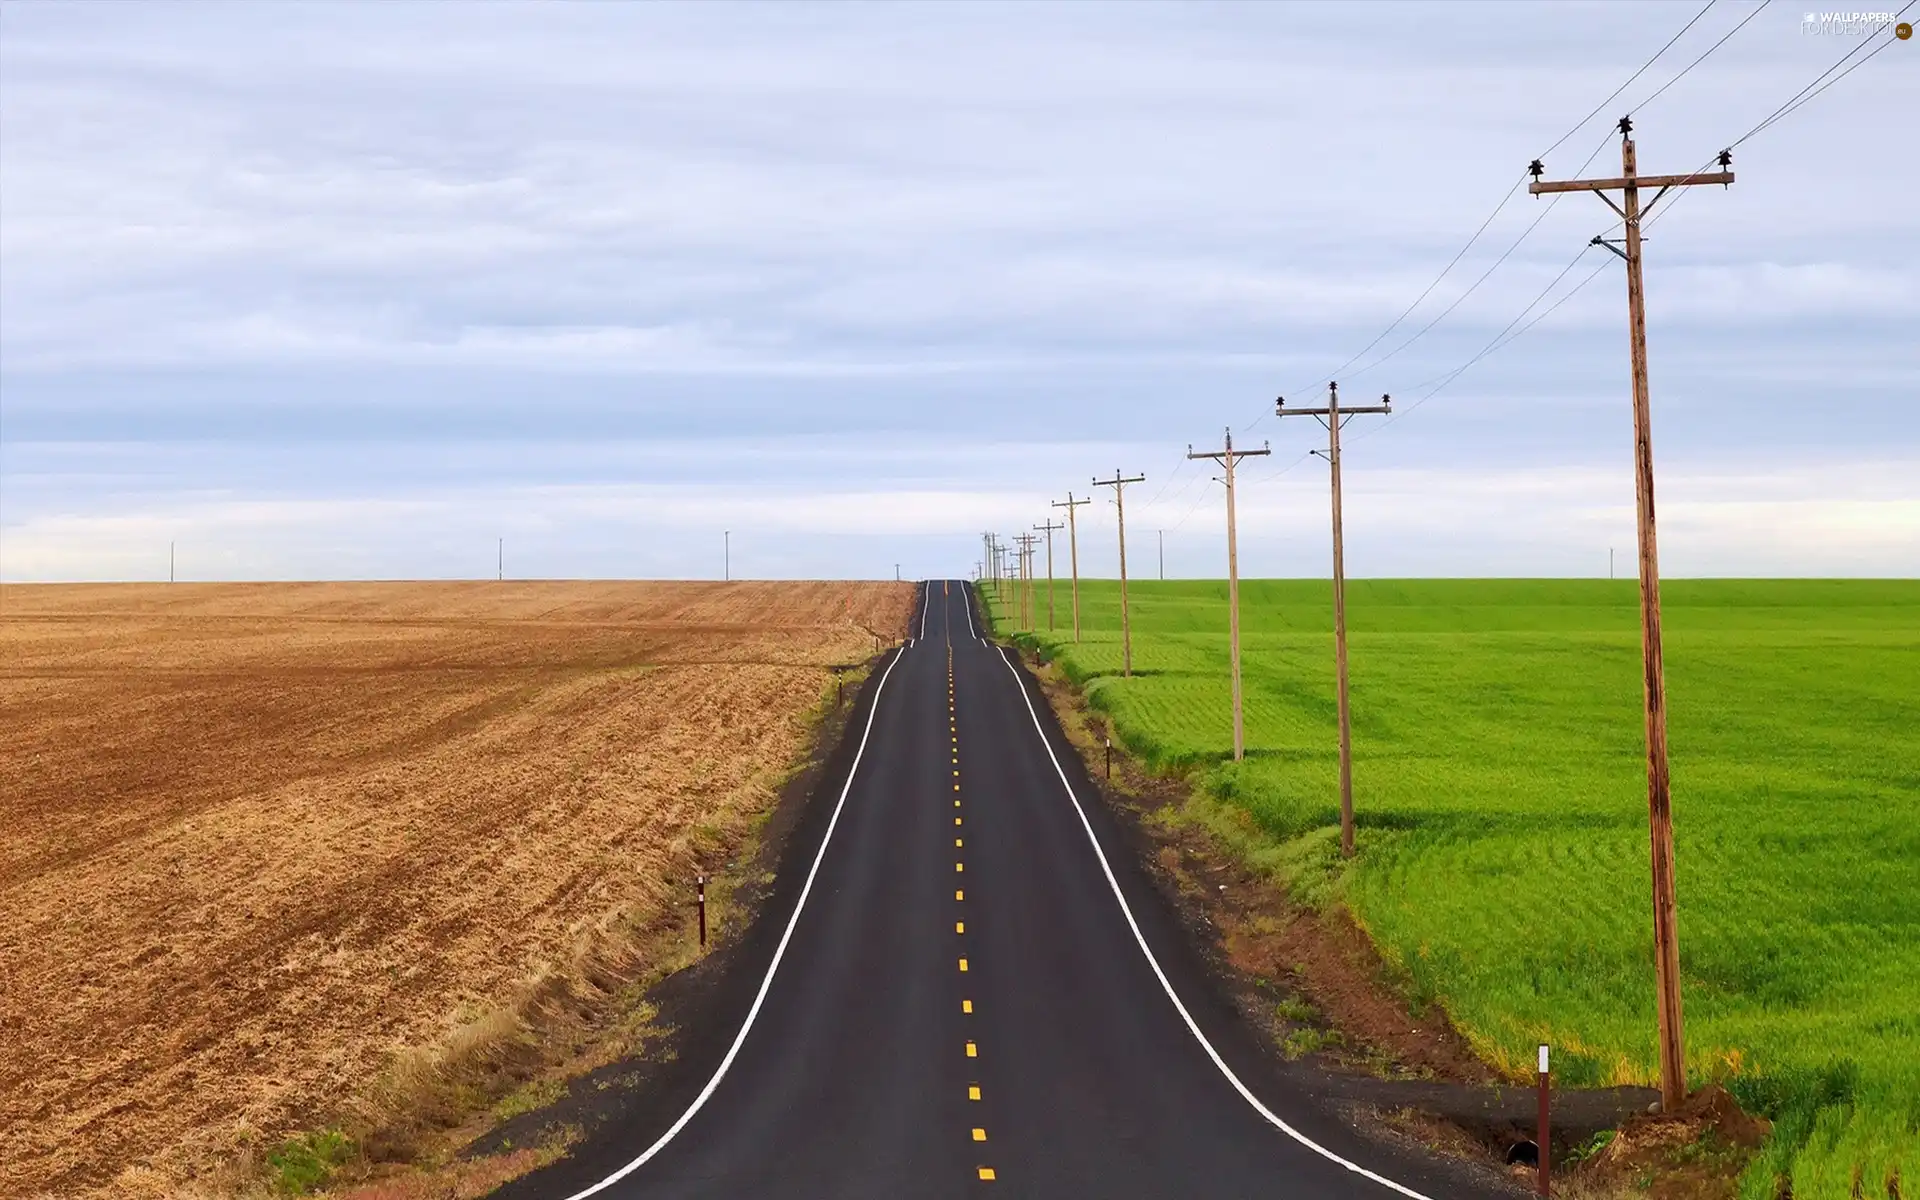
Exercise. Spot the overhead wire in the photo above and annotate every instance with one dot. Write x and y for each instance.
(1485, 224)
(1521, 324)
(1703, 57)
(1629, 83)
(1485, 275)
(1799, 99)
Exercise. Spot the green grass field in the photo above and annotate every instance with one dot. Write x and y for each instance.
(1499, 781)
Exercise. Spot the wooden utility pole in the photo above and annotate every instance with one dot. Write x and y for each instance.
(1163, 549)
(1227, 458)
(1025, 560)
(1119, 486)
(1048, 529)
(1073, 554)
(1333, 416)
(1666, 938)
(986, 565)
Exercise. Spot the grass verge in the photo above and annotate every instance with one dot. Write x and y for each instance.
(1500, 789)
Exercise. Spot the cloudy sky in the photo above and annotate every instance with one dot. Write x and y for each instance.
(354, 290)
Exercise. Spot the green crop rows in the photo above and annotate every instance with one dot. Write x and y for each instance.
(1499, 780)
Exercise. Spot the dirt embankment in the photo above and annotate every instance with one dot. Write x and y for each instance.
(262, 839)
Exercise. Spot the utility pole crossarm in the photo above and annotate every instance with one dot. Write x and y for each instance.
(1543, 187)
(1281, 409)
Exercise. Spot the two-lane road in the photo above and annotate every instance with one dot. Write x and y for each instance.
(978, 993)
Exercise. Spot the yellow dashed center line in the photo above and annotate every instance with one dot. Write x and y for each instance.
(960, 927)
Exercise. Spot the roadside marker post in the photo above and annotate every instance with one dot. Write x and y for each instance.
(700, 902)
(1109, 745)
(1545, 1138)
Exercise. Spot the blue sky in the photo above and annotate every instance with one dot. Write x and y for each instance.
(349, 291)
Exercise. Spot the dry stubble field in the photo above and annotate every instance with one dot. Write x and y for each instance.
(258, 838)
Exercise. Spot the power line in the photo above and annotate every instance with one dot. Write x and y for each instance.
(1801, 97)
(1442, 382)
(1488, 222)
(1485, 275)
(1167, 482)
(1629, 83)
(1703, 57)
(1444, 272)
(1581, 168)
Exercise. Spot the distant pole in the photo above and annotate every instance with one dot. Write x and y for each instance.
(1119, 486)
(1666, 930)
(500, 559)
(726, 555)
(1333, 416)
(1227, 458)
(1049, 528)
(1163, 554)
(1073, 553)
(1027, 605)
(169, 562)
(1609, 562)
(896, 572)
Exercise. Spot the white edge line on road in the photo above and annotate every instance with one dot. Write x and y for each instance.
(778, 953)
(1193, 1027)
(966, 603)
(926, 602)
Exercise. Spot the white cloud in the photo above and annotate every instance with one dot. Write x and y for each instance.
(1130, 222)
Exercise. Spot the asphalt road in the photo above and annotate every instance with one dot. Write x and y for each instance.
(976, 995)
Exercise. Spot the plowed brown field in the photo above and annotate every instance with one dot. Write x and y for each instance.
(259, 837)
